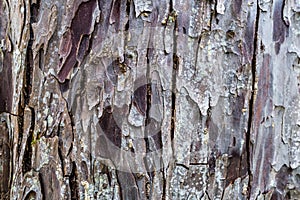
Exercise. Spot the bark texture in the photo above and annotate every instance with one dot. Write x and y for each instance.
(148, 99)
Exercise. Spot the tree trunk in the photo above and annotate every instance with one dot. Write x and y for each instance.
(145, 99)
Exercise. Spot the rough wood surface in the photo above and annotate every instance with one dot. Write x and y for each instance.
(148, 99)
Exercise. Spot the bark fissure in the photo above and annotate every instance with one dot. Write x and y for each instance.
(27, 163)
(207, 195)
(29, 62)
(173, 81)
(182, 165)
(27, 84)
(20, 120)
(148, 99)
(252, 99)
(74, 185)
(60, 153)
(40, 178)
(120, 190)
(23, 23)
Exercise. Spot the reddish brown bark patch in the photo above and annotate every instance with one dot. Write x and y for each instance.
(265, 91)
(80, 29)
(262, 125)
(110, 127)
(237, 5)
(140, 98)
(280, 29)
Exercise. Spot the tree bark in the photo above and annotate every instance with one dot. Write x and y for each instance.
(145, 99)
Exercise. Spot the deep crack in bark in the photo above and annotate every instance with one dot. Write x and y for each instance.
(252, 100)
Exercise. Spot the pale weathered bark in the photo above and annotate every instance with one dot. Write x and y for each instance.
(145, 99)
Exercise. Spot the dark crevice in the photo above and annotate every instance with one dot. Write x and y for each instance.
(8, 5)
(108, 174)
(173, 96)
(148, 106)
(212, 15)
(148, 99)
(28, 69)
(128, 14)
(120, 187)
(173, 120)
(42, 186)
(29, 54)
(208, 118)
(71, 146)
(182, 165)
(72, 126)
(93, 35)
(223, 193)
(164, 192)
(171, 5)
(74, 186)
(288, 195)
(207, 195)
(27, 165)
(91, 161)
(252, 99)
(175, 68)
(41, 58)
(20, 125)
(24, 190)
(175, 62)
(198, 164)
(12, 114)
(34, 11)
(24, 99)
(60, 145)
(149, 93)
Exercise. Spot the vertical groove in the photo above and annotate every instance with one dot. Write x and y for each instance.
(175, 68)
(148, 98)
(28, 62)
(252, 99)
(42, 186)
(60, 154)
(147, 120)
(26, 165)
(173, 93)
(120, 186)
(74, 185)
